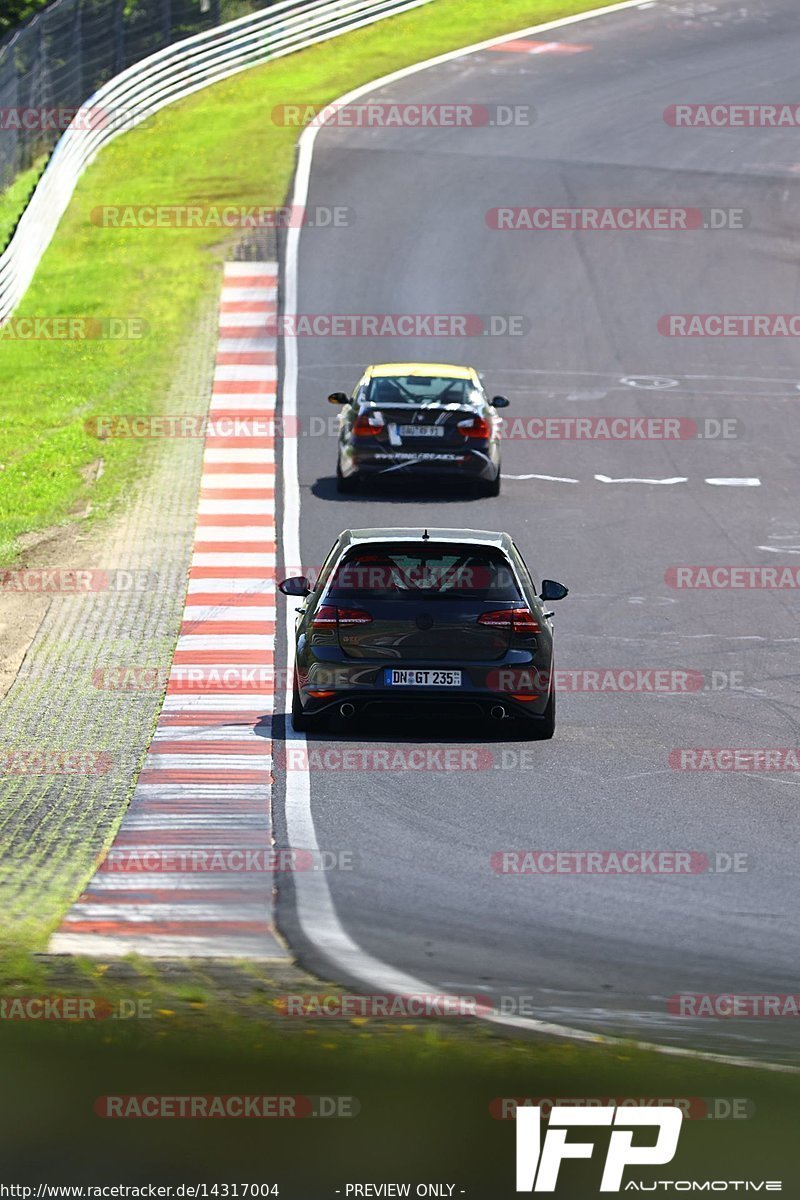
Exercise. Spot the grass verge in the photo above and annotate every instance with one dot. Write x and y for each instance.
(15, 197)
(426, 1097)
(217, 147)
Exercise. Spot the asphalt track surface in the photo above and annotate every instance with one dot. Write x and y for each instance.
(596, 952)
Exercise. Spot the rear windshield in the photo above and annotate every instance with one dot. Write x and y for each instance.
(421, 389)
(436, 572)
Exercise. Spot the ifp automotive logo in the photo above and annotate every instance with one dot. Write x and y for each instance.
(538, 1161)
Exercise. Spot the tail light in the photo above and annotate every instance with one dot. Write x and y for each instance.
(475, 427)
(328, 616)
(354, 616)
(518, 620)
(368, 424)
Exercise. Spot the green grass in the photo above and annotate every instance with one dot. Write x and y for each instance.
(423, 1088)
(219, 146)
(15, 197)
(423, 1095)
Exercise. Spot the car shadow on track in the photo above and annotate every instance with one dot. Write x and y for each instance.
(402, 731)
(398, 492)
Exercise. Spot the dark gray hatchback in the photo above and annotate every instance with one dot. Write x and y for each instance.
(404, 620)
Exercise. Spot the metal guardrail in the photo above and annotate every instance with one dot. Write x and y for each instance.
(169, 75)
(70, 48)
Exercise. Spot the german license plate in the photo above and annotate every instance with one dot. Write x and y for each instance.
(395, 677)
(430, 431)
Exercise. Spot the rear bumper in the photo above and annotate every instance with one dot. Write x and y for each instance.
(482, 464)
(464, 704)
(482, 690)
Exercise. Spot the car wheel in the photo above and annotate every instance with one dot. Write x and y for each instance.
(301, 721)
(541, 729)
(345, 485)
(493, 488)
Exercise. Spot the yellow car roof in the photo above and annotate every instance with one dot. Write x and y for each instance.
(447, 370)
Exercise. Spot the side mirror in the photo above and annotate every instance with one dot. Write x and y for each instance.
(298, 585)
(499, 402)
(552, 590)
(338, 398)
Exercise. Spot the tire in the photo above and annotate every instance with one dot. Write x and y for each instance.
(541, 729)
(546, 724)
(345, 486)
(492, 488)
(302, 722)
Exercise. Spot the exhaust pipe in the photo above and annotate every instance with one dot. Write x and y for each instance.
(347, 710)
(497, 712)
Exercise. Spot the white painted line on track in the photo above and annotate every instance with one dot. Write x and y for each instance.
(549, 478)
(633, 479)
(316, 913)
(732, 482)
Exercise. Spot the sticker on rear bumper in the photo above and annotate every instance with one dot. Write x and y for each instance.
(421, 456)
